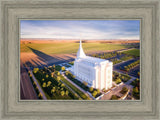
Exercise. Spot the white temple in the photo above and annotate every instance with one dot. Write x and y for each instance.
(95, 71)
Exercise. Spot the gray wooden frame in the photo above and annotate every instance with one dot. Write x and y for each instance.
(13, 10)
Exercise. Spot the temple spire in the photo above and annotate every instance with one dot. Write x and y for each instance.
(80, 52)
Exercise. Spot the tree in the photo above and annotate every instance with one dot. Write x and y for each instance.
(34, 83)
(73, 76)
(98, 91)
(58, 73)
(66, 72)
(79, 98)
(40, 95)
(35, 70)
(137, 80)
(52, 74)
(94, 93)
(44, 84)
(62, 68)
(122, 77)
(47, 76)
(118, 80)
(54, 66)
(91, 89)
(135, 90)
(76, 95)
(138, 73)
(103, 89)
(85, 83)
(119, 75)
(49, 83)
(61, 88)
(114, 97)
(58, 78)
(67, 92)
(125, 89)
(53, 90)
(62, 85)
(62, 93)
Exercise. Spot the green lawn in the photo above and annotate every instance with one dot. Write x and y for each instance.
(41, 74)
(134, 52)
(63, 48)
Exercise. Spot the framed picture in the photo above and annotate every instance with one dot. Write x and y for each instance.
(79, 59)
(57, 67)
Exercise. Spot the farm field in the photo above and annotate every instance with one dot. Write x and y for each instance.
(134, 52)
(67, 48)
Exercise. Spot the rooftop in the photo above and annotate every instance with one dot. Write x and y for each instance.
(94, 59)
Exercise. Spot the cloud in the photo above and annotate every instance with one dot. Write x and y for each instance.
(108, 29)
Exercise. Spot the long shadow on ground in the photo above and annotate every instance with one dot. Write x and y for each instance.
(47, 59)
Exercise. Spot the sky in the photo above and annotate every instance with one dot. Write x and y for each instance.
(80, 29)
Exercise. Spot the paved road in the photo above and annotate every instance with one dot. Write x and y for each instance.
(132, 72)
(124, 63)
(26, 88)
(39, 87)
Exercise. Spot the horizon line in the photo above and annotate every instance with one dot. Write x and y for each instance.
(72, 39)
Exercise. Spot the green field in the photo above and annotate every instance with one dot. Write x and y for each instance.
(134, 52)
(64, 48)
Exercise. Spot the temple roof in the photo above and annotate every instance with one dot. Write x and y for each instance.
(94, 59)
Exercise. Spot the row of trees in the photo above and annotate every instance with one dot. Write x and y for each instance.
(118, 78)
(84, 85)
(115, 61)
(79, 83)
(39, 94)
(106, 55)
(136, 88)
(132, 65)
(94, 91)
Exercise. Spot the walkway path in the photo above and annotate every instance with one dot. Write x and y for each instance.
(39, 87)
